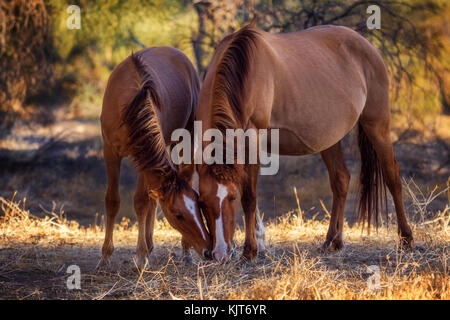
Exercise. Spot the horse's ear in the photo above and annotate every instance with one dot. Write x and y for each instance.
(153, 179)
(252, 23)
(154, 194)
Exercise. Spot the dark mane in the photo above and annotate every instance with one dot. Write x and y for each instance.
(227, 172)
(145, 141)
(172, 185)
(230, 78)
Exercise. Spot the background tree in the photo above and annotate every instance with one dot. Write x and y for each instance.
(43, 65)
(26, 56)
(413, 37)
(216, 18)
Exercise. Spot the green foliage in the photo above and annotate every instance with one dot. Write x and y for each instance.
(110, 31)
(80, 61)
(412, 40)
(25, 56)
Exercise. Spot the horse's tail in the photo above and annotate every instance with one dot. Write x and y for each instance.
(373, 197)
(145, 140)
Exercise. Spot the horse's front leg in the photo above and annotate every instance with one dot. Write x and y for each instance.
(254, 228)
(142, 208)
(112, 203)
(186, 248)
(150, 225)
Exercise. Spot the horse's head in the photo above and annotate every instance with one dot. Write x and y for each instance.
(179, 203)
(218, 188)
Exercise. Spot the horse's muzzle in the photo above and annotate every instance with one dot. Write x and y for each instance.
(222, 255)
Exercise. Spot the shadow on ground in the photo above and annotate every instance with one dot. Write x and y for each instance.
(61, 166)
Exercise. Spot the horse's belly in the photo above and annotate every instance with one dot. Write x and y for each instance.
(301, 133)
(290, 144)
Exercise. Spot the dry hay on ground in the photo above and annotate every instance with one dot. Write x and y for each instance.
(35, 254)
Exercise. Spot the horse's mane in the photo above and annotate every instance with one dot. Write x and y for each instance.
(230, 78)
(228, 94)
(227, 172)
(172, 185)
(145, 140)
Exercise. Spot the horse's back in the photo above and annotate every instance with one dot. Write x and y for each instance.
(322, 80)
(171, 70)
(121, 88)
(176, 84)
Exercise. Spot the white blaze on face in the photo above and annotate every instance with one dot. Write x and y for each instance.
(190, 205)
(222, 192)
(195, 180)
(195, 142)
(197, 150)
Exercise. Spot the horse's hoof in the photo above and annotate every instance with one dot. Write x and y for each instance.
(103, 265)
(249, 253)
(406, 242)
(337, 244)
(326, 247)
(141, 263)
(245, 261)
(262, 254)
(332, 245)
(187, 260)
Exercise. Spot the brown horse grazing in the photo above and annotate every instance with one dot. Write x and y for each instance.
(149, 95)
(314, 86)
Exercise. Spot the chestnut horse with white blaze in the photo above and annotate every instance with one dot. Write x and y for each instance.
(314, 86)
(149, 95)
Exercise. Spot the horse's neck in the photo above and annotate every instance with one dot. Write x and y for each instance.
(260, 87)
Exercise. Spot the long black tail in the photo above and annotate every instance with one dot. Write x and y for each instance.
(373, 196)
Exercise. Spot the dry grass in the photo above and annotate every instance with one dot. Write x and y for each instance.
(35, 253)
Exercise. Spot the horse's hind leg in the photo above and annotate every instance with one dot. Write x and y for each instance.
(112, 201)
(375, 122)
(142, 208)
(339, 181)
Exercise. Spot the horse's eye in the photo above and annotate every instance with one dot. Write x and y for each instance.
(233, 198)
(179, 216)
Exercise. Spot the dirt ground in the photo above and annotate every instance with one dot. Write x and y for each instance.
(57, 173)
(36, 253)
(61, 166)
